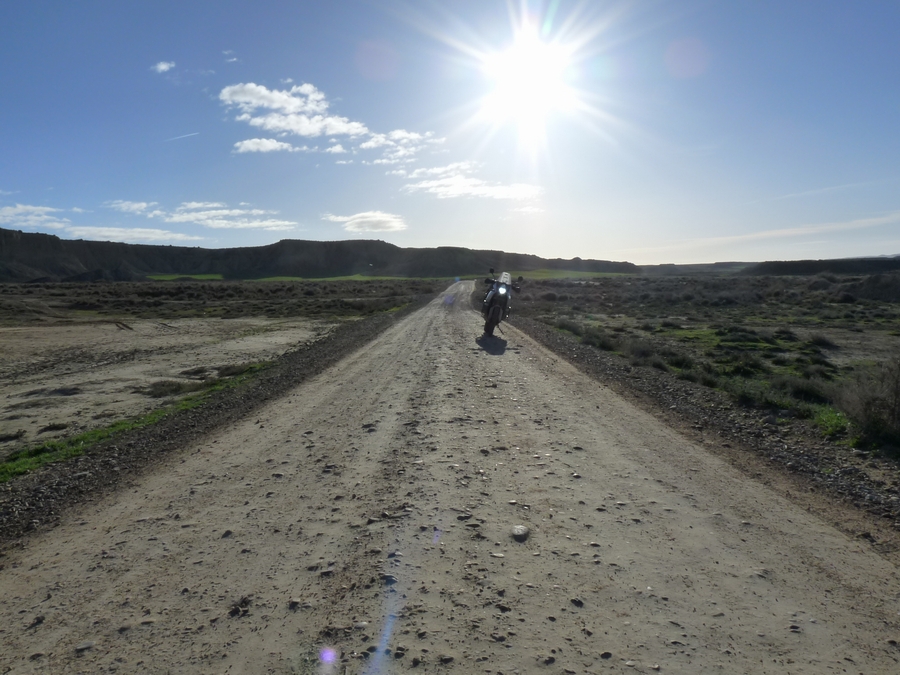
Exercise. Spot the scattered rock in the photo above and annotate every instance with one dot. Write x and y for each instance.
(83, 647)
(520, 532)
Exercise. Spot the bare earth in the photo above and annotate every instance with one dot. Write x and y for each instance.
(362, 524)
(79, 375)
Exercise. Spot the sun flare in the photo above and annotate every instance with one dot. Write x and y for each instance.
(529, 84)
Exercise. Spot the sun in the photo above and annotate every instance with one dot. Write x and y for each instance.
(528, 84)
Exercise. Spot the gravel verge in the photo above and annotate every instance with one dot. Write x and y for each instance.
(37, 500)
(857, 491)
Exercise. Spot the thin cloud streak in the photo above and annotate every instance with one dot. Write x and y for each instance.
(820, 191)
(128, 235)
(214, 215)
(196, 133)
(458, 185)
(805, 230)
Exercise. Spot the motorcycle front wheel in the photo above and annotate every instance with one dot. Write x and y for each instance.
(492, 320)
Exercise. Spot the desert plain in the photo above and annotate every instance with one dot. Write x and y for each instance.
(433, 501)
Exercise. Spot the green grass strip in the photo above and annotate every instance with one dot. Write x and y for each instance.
(197, 277)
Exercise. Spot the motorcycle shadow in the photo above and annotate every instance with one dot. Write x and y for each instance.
(492, 345)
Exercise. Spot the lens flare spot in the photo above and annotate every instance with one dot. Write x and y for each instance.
(328, 655)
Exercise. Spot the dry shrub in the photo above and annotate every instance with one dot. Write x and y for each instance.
(164, 388)
(598, 338)
(802, 389)
(872, 401)
(820, 340)
(639, 349)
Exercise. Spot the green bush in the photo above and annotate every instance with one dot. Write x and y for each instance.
(830, 421)
(679, 360)
(570, 325)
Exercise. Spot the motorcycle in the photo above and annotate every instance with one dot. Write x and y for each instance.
(495, 306)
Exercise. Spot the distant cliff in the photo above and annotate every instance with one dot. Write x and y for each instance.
(838, 266)
(30, 257)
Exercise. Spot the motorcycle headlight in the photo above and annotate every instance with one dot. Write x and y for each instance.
(502, 290)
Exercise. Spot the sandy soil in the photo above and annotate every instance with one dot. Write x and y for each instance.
(63, 379)
(363, 524)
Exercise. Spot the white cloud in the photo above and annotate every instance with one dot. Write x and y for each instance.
(459, 185)
(208, 214)
(399, 145)
(305, 125)
(344, 161)
(7, 192)
(163, 66)
(200, 205)
(303, 110)
(336, 149)
(235, 219)
(369, 221)
(128, 235)
(264, 145)
(376, 141)
(455, 168)
(25, 215)
(128, 207)
(302, 98)
(403, 136)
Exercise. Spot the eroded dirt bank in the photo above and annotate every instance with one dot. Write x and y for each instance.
(362, 524)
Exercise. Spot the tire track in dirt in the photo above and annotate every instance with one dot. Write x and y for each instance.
(361, 524)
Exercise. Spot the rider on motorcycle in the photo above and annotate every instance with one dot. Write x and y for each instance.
(496, 305)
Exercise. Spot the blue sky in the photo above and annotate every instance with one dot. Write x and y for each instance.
(666, 131)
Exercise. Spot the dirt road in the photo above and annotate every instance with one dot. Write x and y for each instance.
(362, 524)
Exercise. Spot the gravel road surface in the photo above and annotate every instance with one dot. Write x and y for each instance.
(364, 523)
